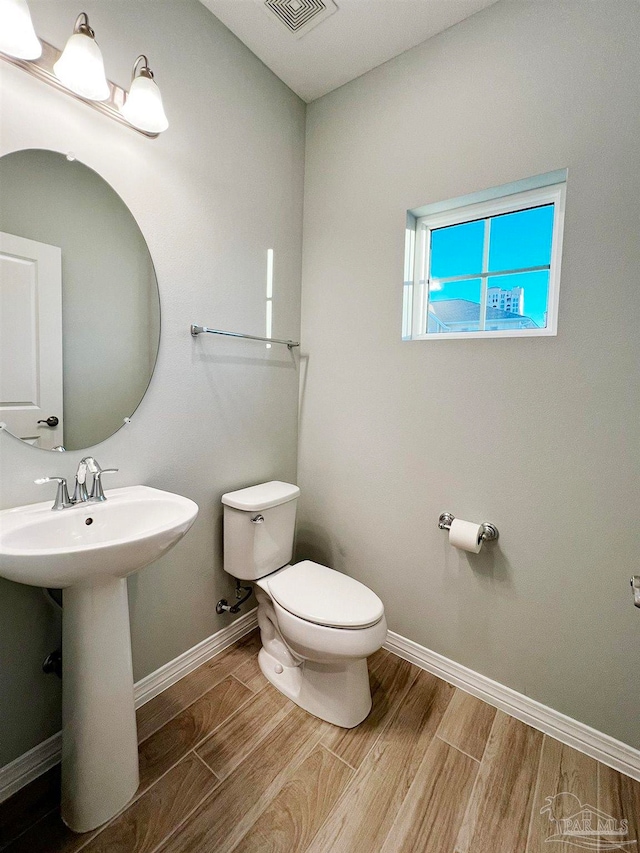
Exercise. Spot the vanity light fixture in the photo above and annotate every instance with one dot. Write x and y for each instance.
(79, 70)
(81, 67)
(143, 105)
(17, 35)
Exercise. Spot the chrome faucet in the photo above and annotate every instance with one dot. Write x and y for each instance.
(81, 494)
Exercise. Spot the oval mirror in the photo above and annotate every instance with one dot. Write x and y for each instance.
(79, 303)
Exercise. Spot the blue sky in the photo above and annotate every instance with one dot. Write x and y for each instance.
(517, 240)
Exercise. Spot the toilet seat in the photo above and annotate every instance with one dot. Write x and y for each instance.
(323, 596)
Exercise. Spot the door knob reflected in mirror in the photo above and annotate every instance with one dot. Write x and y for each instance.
(51, 421)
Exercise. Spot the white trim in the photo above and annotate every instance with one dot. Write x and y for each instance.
(29, 766)
(534, 183)
(602, 747)
(47, 754)
(501, 333)
(150, 686)
(598, 745)
(495, 207)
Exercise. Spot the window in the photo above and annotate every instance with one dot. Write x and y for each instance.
(487, 265)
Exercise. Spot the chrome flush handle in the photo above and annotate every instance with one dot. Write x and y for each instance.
(635, 586)
(257, 519)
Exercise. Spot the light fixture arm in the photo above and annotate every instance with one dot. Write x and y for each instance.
(141, 70)
(82, 26)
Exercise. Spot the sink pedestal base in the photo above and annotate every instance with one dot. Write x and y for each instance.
(99, 738)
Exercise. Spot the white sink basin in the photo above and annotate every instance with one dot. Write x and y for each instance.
(88, 550)
(131, 529)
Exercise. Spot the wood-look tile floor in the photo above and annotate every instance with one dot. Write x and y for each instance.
(229, 764)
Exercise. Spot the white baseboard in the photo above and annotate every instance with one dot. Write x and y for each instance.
(151, 685)
(602, 747)
(47, 754)
(29, 766)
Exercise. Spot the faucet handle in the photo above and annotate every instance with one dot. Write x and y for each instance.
(62, 495)
(97, 493)
(92, 464)
(80, 489)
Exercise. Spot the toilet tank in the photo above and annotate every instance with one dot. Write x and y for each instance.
(259, 524)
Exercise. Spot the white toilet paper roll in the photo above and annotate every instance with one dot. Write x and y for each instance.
(465, 535)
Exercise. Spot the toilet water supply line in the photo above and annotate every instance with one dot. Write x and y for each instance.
(223, 605)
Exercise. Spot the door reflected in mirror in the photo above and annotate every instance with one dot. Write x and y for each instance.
(79, 304)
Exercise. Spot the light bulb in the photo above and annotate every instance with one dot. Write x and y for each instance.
(143, 106)
(81, 68)
(17, 36)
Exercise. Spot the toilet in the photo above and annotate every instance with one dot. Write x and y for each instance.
(317, 626)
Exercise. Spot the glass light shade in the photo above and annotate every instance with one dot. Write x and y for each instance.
(17, 36)
(143, 107)
(81, 68)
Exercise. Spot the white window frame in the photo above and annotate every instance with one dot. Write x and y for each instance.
(415, 317)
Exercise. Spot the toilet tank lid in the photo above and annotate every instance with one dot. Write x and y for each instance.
(262, 496)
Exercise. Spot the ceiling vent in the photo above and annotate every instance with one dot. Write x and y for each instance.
(300, 16)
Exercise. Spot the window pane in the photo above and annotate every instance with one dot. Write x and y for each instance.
(517, 301)
(457, 250)
(455, 307)
(521, 239)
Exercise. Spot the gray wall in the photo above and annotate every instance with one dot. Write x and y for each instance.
(109, 294)
(211, 195)
(540, 435)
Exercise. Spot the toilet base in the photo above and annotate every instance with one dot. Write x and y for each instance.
(336, 692)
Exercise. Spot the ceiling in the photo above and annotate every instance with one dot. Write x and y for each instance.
(341, 43)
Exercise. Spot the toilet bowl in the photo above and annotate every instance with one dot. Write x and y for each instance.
(317, 625)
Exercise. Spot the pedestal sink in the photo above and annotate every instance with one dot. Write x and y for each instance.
(88, 550)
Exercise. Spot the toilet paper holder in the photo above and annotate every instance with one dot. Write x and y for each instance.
(489, 531)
